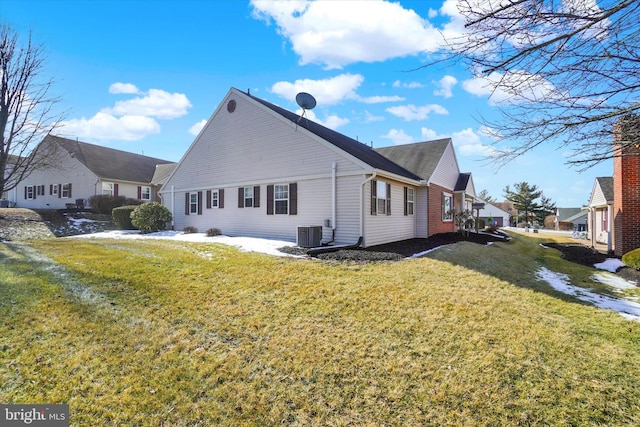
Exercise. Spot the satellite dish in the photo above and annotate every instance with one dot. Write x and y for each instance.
(305, 101)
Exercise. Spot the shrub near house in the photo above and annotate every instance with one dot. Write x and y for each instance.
(151, 217)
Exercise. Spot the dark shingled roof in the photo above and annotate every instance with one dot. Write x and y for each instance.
(606, 185)
(357, 149)
(108, 163)
(420, 158)
(463, 182)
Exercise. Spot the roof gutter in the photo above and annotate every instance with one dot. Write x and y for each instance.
(371, 178)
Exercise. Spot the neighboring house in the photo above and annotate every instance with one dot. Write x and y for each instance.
(492, 215)
(84, 170)
(9, 198)
(510, 209)
(571, 219)
(259, 170)
(601, 213)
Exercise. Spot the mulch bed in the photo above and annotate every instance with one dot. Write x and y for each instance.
(409, 247)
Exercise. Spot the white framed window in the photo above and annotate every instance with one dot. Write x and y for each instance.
(215, 198)
(66, 191)
(193, 203)
(54, 190)
(145, 193)
(248, 197)
(40, 190)
(381, 198)
(281, 199)
(107, 189)
(447, 207)
(410, 201)
(29, 192)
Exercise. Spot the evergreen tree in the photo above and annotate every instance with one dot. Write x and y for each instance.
(529, 201)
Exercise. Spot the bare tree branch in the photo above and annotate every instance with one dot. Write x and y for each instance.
(27, 110)
(558, 72)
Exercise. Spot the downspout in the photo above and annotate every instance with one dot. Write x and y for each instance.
(362, 202)
(592, 227)
(334, 166)
(609, 227)
(173, 215)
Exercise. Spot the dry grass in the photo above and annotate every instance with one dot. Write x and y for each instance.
(162, 333)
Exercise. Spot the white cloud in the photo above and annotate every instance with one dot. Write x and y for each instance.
(107, 127)
(197, 127)
(445, 85)
(155, 103)
(512, 88)
(326, 92)
(340, 33)
(131, 119)
(123, 88)
(370, 118)
(378, 99)
(467, 141)
(410, 85)
(398, 137)
(412, 112)
(331, 121)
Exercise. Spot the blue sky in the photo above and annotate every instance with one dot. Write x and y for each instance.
(144, 75)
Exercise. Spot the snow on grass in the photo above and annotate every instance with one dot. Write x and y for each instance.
(247, 244)
(610, 264)
(560, 282)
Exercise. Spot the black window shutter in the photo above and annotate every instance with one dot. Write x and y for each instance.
(221, 198)
(374, 201)
(25, 192)
(69, 190)
(50, 189)
(241, 197)
(269, 199)
(59, 191)
(139, 192)
(186, 203)
(208, 199)
(34, 191)
(199, 202)
(116, 189)
(388, 199)
(256, 196)
(406, 205)
(293, 198)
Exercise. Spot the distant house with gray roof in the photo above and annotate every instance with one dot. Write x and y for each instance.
(259, 170)
(601, 226)
(86, 170)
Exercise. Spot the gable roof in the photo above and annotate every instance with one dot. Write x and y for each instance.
(421, 158)
(349, 145)
(162, 173)
(563, 214)
(606, 186)
(109, 163)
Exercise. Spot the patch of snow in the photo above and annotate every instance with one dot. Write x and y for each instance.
(419, 254)
(560, 282)
(616, 282)
(610, 264)
(246, 244)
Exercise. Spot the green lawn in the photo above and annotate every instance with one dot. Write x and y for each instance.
(157, 333)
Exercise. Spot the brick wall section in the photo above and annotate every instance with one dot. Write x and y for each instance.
(626, 197)
(435, 224)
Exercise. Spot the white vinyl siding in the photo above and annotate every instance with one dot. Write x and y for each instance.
(230, 154)
(388, 228)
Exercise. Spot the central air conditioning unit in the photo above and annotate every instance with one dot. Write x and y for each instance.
(309, 236)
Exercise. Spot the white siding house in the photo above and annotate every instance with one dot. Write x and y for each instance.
(259, 170)
(600, 220)
(84, 170)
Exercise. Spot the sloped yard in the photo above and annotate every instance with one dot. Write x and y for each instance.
(153, 332)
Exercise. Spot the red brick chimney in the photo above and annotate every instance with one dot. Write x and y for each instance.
(626, 184)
